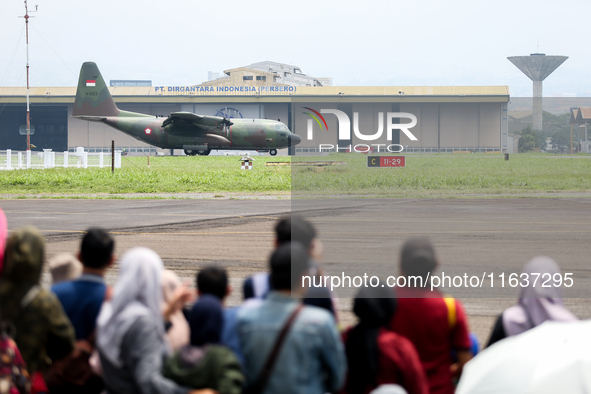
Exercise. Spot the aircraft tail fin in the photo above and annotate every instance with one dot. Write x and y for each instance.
(93, 98)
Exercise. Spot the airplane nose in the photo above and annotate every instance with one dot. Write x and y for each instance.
(294, 139)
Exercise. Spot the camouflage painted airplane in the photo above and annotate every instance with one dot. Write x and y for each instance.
(195, 134)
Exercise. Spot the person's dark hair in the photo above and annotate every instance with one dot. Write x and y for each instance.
(96, 249)
(295, 229)
(206, 319)
(213, 280)
(283, 230)
(287, 264)
(321, 298)
(375, 307)
(417, 258)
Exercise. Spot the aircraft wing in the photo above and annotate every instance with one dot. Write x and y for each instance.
(90, 118)
(204, 121)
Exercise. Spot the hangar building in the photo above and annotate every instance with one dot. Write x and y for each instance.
(449, 118)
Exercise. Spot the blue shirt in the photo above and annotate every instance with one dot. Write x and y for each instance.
(312, 359)
(82, 300)
(230, 334)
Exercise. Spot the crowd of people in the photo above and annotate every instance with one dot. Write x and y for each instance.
(150, 333)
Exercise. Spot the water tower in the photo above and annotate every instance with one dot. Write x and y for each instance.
(537, 67)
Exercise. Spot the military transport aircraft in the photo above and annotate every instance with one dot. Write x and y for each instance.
(195, 134)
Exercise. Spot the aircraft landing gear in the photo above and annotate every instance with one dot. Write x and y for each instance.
(203, 152)
(273, 152)
(190, 152)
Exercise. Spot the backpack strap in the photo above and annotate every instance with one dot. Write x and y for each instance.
(452, 316)
(258, 386)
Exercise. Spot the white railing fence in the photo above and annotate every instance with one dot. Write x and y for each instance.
(10, 160)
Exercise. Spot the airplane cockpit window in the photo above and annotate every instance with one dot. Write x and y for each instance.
(281, 126)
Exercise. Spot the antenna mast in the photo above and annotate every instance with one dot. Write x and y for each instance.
(28, 109)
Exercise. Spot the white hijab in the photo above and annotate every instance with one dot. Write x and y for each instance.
(537, 304)
(138, 293)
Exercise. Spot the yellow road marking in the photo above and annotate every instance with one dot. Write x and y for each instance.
(168, 233)
(332, 232)
(370, 220)
(251, 216)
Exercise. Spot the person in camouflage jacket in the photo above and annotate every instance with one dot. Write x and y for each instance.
(43, 331)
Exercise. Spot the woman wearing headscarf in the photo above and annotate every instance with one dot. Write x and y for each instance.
(43, 331)
(536, 305)
(131, 338)
(377, 356)
(205, 363)
(178, 332)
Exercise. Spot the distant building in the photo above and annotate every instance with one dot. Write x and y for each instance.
(513, 143)
(265, 73)
(129, 82)
(518, 120)
(325, 81)
(212, 75)
(289, 75)
(243, 76)
(581, 118)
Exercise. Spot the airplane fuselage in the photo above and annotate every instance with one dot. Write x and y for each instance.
(243, 134)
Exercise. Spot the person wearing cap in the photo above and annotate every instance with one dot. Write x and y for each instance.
(436, 325)
(64, 267)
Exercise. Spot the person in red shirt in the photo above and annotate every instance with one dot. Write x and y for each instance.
(436, 325)
(377, 356)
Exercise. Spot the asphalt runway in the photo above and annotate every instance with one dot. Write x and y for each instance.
(359, 235)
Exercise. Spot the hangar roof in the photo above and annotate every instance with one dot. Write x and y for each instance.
(192, 94)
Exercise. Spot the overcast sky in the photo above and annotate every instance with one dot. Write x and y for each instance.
(371, 42)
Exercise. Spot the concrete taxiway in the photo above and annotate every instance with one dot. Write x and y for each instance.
(362, 235)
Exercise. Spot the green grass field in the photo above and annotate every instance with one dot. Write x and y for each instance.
(445, 175)
(179, 174)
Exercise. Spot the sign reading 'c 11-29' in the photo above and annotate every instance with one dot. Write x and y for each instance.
(386, 161)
